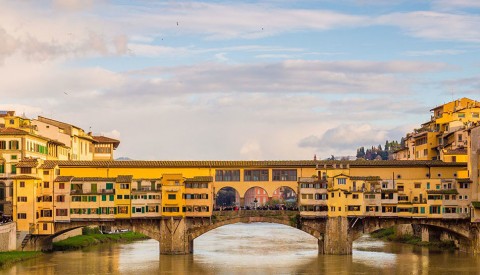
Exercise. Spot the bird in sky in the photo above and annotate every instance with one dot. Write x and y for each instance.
(65, 93)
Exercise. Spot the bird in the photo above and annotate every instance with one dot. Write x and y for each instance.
(65, 93)
(177, 23)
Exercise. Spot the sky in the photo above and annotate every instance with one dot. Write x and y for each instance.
(238, 80)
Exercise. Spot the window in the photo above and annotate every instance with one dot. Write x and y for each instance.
(61, 198)
(227, 175)
(172, 196)
(475, 115)
(61, 212)
(46, 184)
(22, 184)
(22, 199)
(76, 198)
(46, 213)
(400, 188)
(13, 157)
(22, 216)
(119, 197)
(124, 186)
(46, 173)
(341, 181)
(355, 196)
(13, 144)
(61, 185)
(461, 115)
(14, 168)
(284, 175)
(3, 144)
(109, 185)
(171, 209)
(463, 185)
(122, 209)
(256, 175)
(418, 185)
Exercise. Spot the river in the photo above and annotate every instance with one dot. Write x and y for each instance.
(258, 248)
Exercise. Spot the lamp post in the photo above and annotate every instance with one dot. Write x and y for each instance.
(255, 203)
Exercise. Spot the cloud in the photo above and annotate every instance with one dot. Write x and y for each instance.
(435, 25)
(251, 150)
(454, 5)
(435, 52)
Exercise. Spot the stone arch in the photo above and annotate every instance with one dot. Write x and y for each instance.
(256, 196)
(149, 228)
(199, 231)
(223, 197)
(285, 194)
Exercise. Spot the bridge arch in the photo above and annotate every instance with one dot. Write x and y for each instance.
(227, 196)
(256, 196)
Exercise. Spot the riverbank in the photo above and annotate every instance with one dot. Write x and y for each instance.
(90, 239)
(390, 235)
(11, 257)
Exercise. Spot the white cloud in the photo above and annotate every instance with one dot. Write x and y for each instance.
(435, 25)
(435, 52)
(251, 150)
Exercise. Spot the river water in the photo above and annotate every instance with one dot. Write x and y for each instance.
(258, 248)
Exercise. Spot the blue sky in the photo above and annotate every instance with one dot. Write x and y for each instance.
(249, 80)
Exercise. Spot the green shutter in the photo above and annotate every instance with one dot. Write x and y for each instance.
(2, 168)
(109, 186)
(422, 210)
(156, 208)
(133, 209)
(143, 209)
(88, 211)
(112, 197)
(114, 210)
(104, 197)
(71, 211)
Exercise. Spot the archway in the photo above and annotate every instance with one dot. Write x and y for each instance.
(256, 197)
(227, 198)
(284, 197)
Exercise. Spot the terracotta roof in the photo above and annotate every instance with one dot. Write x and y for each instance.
(83, 179)
(103, 139)
(464, 180)
(27, 163)
(241, 163)
(200, 179)
(24, 177)
(48, 165)
(456, 152)
(367, 178)
(63, 178)
(12, 131)
(124, 178)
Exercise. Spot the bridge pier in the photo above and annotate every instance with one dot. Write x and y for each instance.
(173, 236)
(336, 240)
(425, 234)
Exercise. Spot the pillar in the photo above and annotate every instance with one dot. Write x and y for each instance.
(335, 240)
(173, 236)
(425, 234)
(242, 202)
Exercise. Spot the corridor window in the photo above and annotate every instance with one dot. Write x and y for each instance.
(284, 175)
(341, 181)
(227, 175)
(256, 175)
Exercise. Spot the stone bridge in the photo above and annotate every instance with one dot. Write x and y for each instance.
(334, 234)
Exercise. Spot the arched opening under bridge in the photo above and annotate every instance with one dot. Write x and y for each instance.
(284, 198)
(256, 197)
(227, 198)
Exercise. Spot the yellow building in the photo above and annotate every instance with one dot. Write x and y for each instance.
(173, 201)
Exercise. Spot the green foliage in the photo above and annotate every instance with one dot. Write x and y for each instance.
(90, 230)
(81, 241)
(389, 234)
(11, 257)
(377, 152)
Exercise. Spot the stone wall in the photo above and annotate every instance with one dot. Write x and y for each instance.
(8, 237)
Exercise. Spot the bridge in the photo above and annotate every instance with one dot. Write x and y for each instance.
(334, 234)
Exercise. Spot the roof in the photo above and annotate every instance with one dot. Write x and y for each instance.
(12, 131)
(103, 139)
(63, 178)
(368, 178)
(48, 165)
(124, 179)
(468, 180)
(244, 163)
(200, 179)
(24, 177)
(458, 151)
(476, 204)
(27, 163)
(83, 179)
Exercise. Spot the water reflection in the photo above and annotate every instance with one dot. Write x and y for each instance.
(258, 248)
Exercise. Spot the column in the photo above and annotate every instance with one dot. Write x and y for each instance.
(173, 236)
(336, 240)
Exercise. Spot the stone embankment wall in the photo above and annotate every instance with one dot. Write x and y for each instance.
(8, 237)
